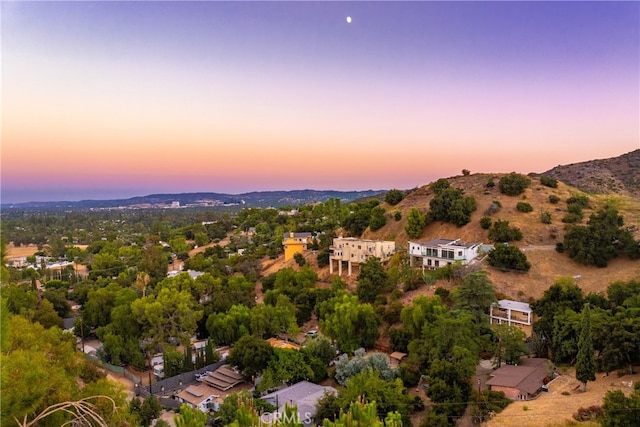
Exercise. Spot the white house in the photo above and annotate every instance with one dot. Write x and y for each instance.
(513, 313)
(441, 252)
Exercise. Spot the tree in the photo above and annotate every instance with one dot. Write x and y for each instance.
(508, 258)
(509, 344)
(393, 197)
(449, 204)
(415, 223)
(372, 280)
(251, 355)
(361, 413)
(621, 411)
(513, 184)
(190, 417)
(476, 294)
(585, 361)
(378, 219)
(500, 231)
(350, 323)
(150, 410)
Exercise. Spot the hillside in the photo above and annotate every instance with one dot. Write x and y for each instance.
(539, 239)
(619, 175)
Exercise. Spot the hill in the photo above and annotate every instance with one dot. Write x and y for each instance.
(616, 175)
(538, 241)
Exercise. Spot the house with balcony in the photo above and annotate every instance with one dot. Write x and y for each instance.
(353, 251)
(442, 252)
(513, 313)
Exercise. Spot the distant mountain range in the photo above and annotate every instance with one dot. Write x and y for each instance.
(253, 199)
(619, 175)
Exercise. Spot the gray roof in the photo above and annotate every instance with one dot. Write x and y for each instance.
(303, 394)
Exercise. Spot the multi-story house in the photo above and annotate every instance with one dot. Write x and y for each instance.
(355, 251)
(512, 313)
(441, 252)
(295, 243)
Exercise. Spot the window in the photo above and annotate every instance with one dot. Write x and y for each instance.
(459, 253)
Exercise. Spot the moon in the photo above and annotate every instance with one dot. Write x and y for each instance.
(348, 20)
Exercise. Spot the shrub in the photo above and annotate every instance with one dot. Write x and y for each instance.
(554, 199)
(508, 258)
(592, 413)
(393, 197)
(485, 222)
(466, 172)
(524, 207)
(397, 216)
(572, 218)
(513, 184)
(549, 182)
(500, 231)
(582, 201)
(559, 247)
(490, 183)
(545, 217)
(299, 259)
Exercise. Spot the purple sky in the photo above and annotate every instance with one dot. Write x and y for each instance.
(118, 99)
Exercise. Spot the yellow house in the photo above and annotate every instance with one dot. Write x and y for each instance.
(295, 243)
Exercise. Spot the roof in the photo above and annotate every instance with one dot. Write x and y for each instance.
(222, 378)
(527, 377)
(301, 235)
(196, 394)
(514, 305)
(397, 355)
(304, 394)
(447, 242)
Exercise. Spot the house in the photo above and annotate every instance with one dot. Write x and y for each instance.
(520, 382)
(396, 358)
(355, 251)
(441, 252)
(305, 395)
(513, 313)
(199, 396)
(295, 243)
(222, 378)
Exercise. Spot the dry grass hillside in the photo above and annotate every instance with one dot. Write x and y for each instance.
(539, 239)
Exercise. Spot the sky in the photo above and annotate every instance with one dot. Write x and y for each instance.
(104, 100)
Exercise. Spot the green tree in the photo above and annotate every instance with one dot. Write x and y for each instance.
(508, 258)
(150, 410)
(415, 224)
(513, 184)
(350, 323)
(361, 413)
(619, 410)
(509, 344)
(372, 280)
(476, 294)
(585, 361)
(393, 197)
(449, 204)
(500, 231)
(378, 218)
(251, 355)
(190, 417)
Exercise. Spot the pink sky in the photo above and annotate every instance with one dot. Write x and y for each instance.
(93, 106)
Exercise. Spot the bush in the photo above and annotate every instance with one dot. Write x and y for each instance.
(466, 172)
(485, 222)
(580, 200)
(299, 259)
(508, 258)
(393, 197)
(560, 247)
(490, 183)
(554, 199)
(524, 207)
(572, 218)
(513, 184)
(500, 231)
(549, 182)
(397, 216)
(545, 217)
(592, 413)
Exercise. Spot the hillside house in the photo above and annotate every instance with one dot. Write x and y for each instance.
(355, 251)
(441, 252)
(295, 243)
(513, 313)
(520, 382)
